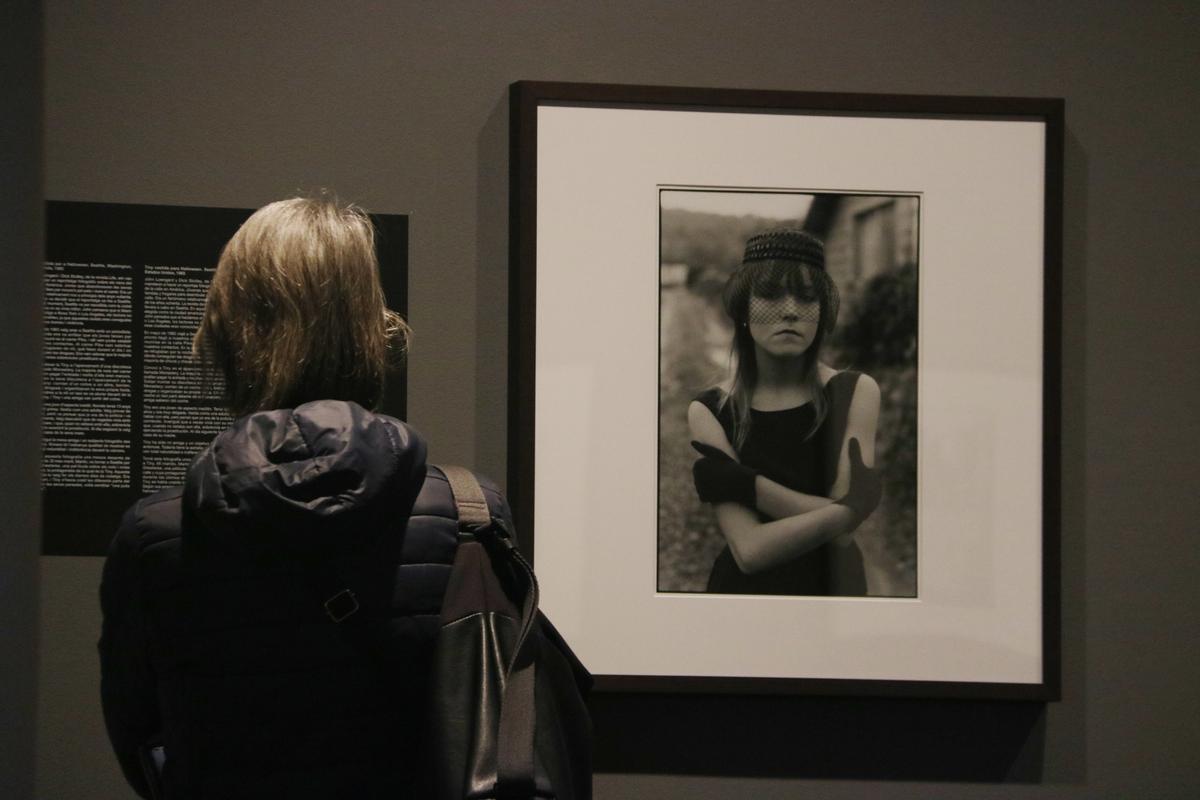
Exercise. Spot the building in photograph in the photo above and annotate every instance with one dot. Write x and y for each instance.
(864, 235)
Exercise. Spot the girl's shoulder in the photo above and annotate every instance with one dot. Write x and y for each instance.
(713, 399)
(826, 373)
(837, 379)
(846, 382)
(849, 385)
(716, 401)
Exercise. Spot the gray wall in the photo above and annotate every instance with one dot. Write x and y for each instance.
(401, 107)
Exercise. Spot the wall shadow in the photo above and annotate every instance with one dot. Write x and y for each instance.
(1068, 720)
(791, 737)
(491, 295)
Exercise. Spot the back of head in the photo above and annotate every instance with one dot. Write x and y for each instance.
(296, 311)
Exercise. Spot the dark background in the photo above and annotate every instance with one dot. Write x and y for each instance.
(402, 107)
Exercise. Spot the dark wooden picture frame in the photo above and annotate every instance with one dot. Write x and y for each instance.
(1043, 117)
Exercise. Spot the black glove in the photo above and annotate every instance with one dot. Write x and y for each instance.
(866, 485)
(720, 479)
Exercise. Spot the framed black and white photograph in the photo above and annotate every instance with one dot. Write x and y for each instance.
(784, 386)
(810, 299)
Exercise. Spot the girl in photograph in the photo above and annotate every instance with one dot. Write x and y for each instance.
(787, 444)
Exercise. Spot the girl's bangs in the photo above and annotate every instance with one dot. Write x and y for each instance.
(772, 280)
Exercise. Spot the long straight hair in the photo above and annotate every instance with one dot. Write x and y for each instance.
(745, 380)
(768, 279)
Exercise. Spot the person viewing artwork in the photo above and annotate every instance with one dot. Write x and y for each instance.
(787, 446)
(222, 675)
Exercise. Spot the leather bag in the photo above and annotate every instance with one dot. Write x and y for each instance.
(507, 715)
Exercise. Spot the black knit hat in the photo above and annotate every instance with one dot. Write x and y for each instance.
(785, 244)
(783, 260)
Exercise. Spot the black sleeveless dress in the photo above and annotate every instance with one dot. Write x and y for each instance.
(777, 448)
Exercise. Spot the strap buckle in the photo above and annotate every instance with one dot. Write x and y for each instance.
(493, 533)
(341, 605)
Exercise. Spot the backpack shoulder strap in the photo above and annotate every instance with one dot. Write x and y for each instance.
(515, 735)
(473, 510)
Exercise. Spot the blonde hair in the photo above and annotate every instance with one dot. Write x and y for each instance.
(296, 312)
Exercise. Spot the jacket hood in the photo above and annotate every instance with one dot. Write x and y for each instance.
(323, 476)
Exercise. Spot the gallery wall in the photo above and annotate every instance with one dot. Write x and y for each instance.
(402, 108)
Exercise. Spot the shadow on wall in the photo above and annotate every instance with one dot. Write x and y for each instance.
(803, 737)
(491, 295)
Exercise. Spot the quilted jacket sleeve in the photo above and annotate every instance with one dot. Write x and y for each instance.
(127, 690)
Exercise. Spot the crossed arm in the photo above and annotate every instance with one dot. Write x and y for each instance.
(798, 522)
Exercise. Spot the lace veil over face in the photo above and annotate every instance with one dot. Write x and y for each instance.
(779, 264)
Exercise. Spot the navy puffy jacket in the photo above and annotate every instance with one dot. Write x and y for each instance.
(215, 639)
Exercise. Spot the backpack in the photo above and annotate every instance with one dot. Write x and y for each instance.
(507, 714)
